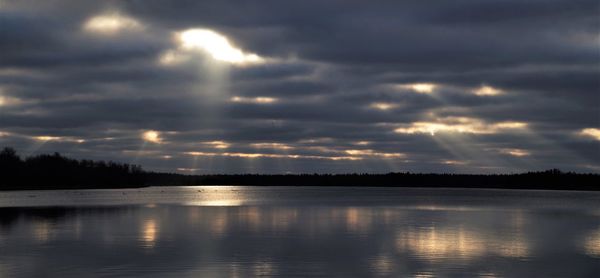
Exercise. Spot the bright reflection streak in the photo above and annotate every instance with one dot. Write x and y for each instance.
(383, 264)
(256, 100)
(460, 125)
(591, 132)
(515, 152)
(217, 45)
(358, 220)
(41, 231)
(264, 268)
(149, 233)
(591, 244)
(433, 243)
(383, 106)
(487, 91)
(152, 136)
(111, 23)
(216, 203)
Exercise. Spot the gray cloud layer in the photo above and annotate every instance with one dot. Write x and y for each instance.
(335, 93)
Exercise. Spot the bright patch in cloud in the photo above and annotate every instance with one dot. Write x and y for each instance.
(421, 88)
(383, 106)
(267, 155)
(275, 146)
(257, 100)
(218, 144)
(152, 136)
(57, 139)
(487, 91)
(453, 162)
(372, 153)
(217, 46)
(591, 132)
(460, 125)
(362, 143)
(515, 152)
(7, 100)
(111, 23)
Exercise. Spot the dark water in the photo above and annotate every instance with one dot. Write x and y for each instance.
(299, 232)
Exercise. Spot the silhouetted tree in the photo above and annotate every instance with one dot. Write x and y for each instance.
(56, 171)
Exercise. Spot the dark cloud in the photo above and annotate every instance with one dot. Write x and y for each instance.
(334, 86)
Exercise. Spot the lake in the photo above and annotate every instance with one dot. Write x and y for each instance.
(233, 231)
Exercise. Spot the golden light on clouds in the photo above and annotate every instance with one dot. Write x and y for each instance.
(383, 106)
(460, 125)
(152, 136)
(255, 100)
(268, 155)
(362, 143)
(372, 153)
(515, 152)
(217, 46)
(453, 162)
(8, 100)
(487, 91)
(591, 132)
(276, 146)
(218, 144)
(422, 88)
(111, 23)
(45, 138)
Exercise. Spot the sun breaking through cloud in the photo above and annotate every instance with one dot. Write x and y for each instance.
(217, 45)
(591, 132)
(152, 136)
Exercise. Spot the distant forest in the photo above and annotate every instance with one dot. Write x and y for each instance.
(54, 171)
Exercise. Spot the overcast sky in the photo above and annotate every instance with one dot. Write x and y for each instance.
(277, 86)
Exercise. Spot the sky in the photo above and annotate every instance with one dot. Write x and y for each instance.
(307, 86)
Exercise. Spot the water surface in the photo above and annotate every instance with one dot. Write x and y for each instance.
(299, 232)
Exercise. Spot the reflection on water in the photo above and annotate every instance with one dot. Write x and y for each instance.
(149, 233)
(592, 243)
(341, 239)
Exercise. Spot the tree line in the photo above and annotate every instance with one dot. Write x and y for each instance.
(54, 171)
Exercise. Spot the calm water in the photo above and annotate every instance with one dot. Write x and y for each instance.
(299, 232)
